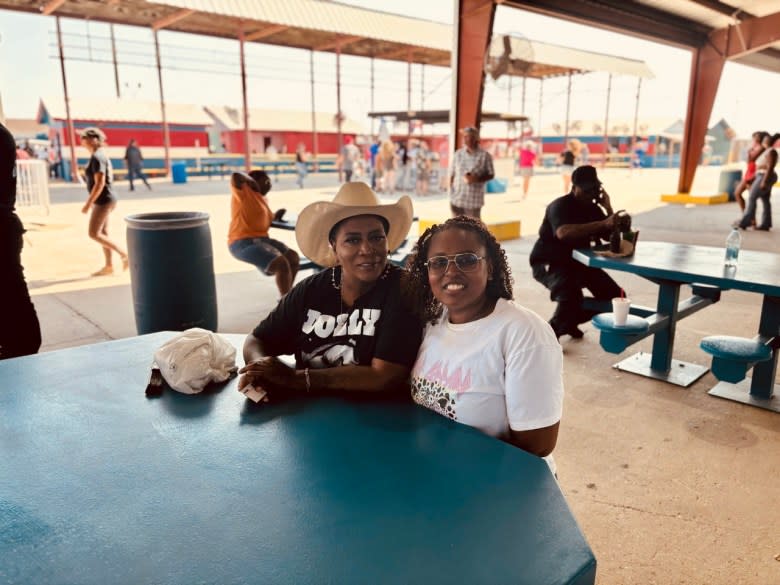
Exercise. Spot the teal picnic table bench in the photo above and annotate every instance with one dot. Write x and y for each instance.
(673, 266)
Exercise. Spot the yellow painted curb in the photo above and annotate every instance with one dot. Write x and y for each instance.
(695, 199)
(501, 230)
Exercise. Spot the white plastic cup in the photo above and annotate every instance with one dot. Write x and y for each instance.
(620, 307)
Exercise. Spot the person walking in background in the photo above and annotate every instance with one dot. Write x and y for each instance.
(755, 150)
(20, 331)
(346, 162)
(472, 168)
(301, 159)
(387, 162)
(102, 200)
(423, 162)
(526, 163)
(135, 164)
(566, 160)
(766, 177)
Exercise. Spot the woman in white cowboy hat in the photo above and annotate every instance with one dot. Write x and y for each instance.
(346, 325)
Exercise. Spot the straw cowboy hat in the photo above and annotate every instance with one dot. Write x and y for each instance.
(318, 218)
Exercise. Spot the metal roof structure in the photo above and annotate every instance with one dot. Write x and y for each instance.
(321, 26)
(122, 110)
(685, 23)
(442, 116)
(232, 119)
(305, 24)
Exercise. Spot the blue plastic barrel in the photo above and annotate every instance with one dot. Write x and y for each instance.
(729, 179)
(172, 271)
(179, 172)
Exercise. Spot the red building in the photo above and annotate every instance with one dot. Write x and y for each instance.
(282, 129)
(122, 120)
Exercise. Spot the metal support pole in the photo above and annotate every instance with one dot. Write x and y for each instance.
(245, 101)
(372, 96)
(636, 115)
(166, 132)
(606, 123)
(522, 110)
(422, 87)
(116, 65)
(338, 102)
(74, 175)
(539, 119)
(409, 92)
(508, 100)
(568, 103)
(314, 145)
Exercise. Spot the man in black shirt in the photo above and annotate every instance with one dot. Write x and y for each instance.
(20, 332)
(576, 220)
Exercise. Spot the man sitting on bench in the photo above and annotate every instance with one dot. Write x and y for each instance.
(248, 239)
(575, 220)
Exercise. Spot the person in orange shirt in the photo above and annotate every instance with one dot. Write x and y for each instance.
(250, 218)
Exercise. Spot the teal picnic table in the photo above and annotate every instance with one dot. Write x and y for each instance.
(99, 484)
(672, 266)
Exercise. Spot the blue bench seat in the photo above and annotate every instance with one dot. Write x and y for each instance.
(732, 357)
(616, 338)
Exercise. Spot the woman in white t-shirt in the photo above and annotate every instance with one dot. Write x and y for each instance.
(484, 360)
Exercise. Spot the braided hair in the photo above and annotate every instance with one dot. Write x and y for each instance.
(499, 286)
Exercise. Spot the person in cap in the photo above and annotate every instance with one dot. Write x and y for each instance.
(347, 325)
(472, 168)
(508, 384)
(250, 220)
(582, 217)
(20, 331)
(101, 200)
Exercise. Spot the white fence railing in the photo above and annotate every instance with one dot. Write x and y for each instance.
(32, 184)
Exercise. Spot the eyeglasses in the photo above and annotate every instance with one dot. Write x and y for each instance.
(466, 262)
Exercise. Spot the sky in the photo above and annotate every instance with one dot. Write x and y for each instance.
(205, 71)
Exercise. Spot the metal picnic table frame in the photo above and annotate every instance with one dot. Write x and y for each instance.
(673, 265)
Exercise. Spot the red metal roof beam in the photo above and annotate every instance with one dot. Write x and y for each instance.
(167, 21)
(340, 42)
(749, 36)
(51, 6)
(265, 32)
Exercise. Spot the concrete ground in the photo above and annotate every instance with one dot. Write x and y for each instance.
(669, 485)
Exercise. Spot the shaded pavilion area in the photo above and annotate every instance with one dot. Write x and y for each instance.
(714, 31)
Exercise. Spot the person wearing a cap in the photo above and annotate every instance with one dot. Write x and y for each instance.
(20, 331)
(582, 217)
(101, 200)
(347, 326)
(472, 168)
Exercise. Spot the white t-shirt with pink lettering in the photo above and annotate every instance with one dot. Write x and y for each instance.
(501, 372)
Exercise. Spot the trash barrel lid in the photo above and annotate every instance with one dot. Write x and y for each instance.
(167, 220)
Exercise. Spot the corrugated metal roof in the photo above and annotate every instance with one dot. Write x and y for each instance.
(330, 17)
(578, 60)
(280, 120)
(123, 110)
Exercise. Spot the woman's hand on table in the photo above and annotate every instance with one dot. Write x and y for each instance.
(267, 372)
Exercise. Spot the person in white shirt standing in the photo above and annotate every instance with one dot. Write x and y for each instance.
(509, 384)
(472, 168)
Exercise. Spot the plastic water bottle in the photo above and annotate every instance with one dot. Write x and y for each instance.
(733, 243)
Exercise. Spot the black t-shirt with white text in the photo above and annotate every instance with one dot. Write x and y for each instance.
(311, 323)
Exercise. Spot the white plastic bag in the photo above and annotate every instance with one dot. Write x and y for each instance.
(194, 358)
